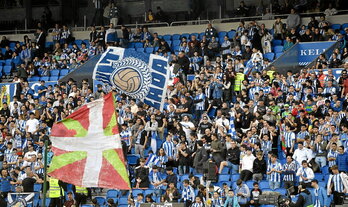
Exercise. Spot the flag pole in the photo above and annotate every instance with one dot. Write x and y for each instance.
(45, 175)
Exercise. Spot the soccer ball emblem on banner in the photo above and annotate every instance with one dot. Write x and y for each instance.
(131, 76)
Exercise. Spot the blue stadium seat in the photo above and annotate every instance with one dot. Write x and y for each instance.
(184, 177)
(201, 35)
(8, 61)
(3, 50)
(271, 31)
(187, 35)
(86, 205)
(12, 44)
(176, 37)
(34, 79)
(277, 55)
(344, 26)
(48, 44)
(325, 170)
(167, 37)
(319, 176)
(231, 34)
(112, 193)
(100, 200)
(1, 67)
(131, 44)
(132, 48)
(269, 56)
(169, 43)
(278, 49)
(123, 201)
(250, 184)
(140, 49)
(282, 191)
(264, 184)
(223, 178)
(149, 191)
(322, 184)
(44, 78)
(138, 45)
(149, 50)
(135, 192)
(64, 72)
(276, 42)
(7, 69)
(225, 170)
(222, 34)
(212, 112)
(176, 42)
(54, 73)
(78, 42)
(335, 26)
(123, 205)
(133, 159)
(54, 78)
(235, 177)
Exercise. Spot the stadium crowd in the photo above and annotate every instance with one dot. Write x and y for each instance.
(216, 133)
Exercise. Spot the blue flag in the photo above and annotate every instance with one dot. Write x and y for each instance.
(139, 75)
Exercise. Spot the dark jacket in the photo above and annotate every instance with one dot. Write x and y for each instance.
(233, 155)
(201, 156)
(143, 174)
(260, 166)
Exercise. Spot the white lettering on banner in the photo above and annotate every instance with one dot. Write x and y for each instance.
(159, 74)
(311, 52)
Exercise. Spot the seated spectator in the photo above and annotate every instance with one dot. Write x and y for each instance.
(210, 32)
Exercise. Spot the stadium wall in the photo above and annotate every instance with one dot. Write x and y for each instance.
(339, 19)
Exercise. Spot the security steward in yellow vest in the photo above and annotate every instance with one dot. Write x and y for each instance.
(55, 193)
(80, 195)
(238, 81)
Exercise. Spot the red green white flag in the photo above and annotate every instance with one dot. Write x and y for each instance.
(87, 147)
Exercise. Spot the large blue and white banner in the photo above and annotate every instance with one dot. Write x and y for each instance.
(139, 75)
(308, 51)
(11, 88)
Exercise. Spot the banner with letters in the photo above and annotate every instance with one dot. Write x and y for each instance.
(308, 51)
(139, 75)
(11, 88)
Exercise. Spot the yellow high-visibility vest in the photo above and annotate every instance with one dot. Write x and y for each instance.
(238, 81)
(270, 74)
(81, 190)
(54, 188)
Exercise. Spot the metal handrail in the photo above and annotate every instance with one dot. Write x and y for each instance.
(190, 22)
(178, 23)
(234, 19)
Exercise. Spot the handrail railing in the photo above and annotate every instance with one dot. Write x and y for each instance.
(190, 22)
(178, 23)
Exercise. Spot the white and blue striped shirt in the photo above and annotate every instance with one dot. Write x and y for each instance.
(188, 194)
(289, 138)
(169, 148)
(332, 154)
(200, 105)
(338, 183)
(252, 92)
(125, 136)
(274, 176)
